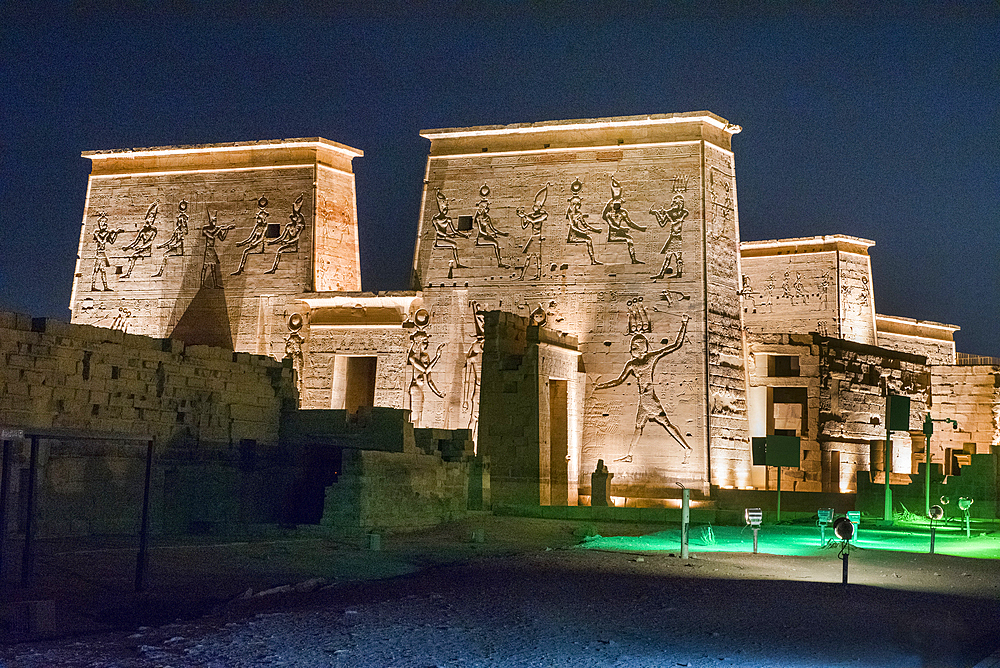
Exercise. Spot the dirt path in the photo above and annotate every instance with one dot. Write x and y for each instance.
(572, 607)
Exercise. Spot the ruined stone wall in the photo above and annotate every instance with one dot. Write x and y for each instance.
(853, 381)
(204, 403)
(971, 396)
(614, 286)
(325, 347)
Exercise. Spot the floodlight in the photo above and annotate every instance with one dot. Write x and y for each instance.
(936, 513)
(964, 502)
(843, 528)
(945, 500)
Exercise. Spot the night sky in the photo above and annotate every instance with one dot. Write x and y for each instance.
(858, 119)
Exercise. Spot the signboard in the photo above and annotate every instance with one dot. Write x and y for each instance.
(774, 450)
(754, 516)
(825, 515)
(7, 434)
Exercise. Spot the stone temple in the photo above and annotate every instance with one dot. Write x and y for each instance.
(580, 298)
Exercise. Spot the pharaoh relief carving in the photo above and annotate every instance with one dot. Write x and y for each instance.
(486, 233)
(616, 216)
(471, 378)
(579, 229)
(723, 206)
(288, 240)
(673, 260)
(254, 243)
(174, 246)
(142, 245)
(103, 237)
(642, 367)
(213, 233)
(293, 347)
(445, 232)
(421, 366)
(534, 219)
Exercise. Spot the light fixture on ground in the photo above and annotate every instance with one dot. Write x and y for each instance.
(754, 517)
(935, 513)
(825, 516)
(843, 528)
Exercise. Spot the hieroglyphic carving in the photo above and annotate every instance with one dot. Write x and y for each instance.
(579, 229)
(486, 232)
(643, 366)
(421, 364)
(616, 216)
(471, 376)
(120, 322)
(723, 206)
(670, 296)
(535, 219)
(673, 256)
(142, 245)
(210, 262)
(638, 319)
(174, 246)
(288, 241)
(254, 242)
(103, 237)
(680, 184)
(293, 347)
(444, 231)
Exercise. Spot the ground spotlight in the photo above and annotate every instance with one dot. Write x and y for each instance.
(843, 528)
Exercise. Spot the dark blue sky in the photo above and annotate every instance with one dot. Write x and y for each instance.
(858, 119)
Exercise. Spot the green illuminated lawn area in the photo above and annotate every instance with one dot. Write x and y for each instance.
(799, 540)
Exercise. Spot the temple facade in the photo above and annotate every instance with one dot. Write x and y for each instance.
(580, 298)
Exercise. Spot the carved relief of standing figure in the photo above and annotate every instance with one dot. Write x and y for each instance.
(293, 347)
(487, 233)
(255, 241)
(616, 216)
(422, 363)
(535, 219)
(142, 245)
(210, 263)
(471, 377)
(444, 231)
(675, 215)
(579, 228)
(642, 366)
(289, 239)
(174, 246)
(102, 237)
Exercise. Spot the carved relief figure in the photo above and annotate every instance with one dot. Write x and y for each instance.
(210, 262)
(675, 215)
(102, 237)
(471, 373)
(616, 216)
(642, 366)
(579, 229)
(800, 292)
(421, 364)
(769, 290)
(535, 219)
(444, 231)
(746, 293)
(288, 241)
(486, 232)
(174, 246)
(293, 347)
(142, 245)
(255, 241)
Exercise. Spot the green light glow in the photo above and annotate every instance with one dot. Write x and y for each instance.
(803, 541)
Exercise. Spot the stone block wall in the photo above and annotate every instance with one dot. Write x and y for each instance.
(971, 396)
(198, 403)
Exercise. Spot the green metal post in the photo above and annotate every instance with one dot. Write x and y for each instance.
(928, 430)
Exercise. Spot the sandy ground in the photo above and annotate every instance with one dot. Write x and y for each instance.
(528, 597)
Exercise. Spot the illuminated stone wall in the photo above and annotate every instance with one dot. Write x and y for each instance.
(210, 244)
(622, 233)
(971, 396)
(815, 284)
(933, 340)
